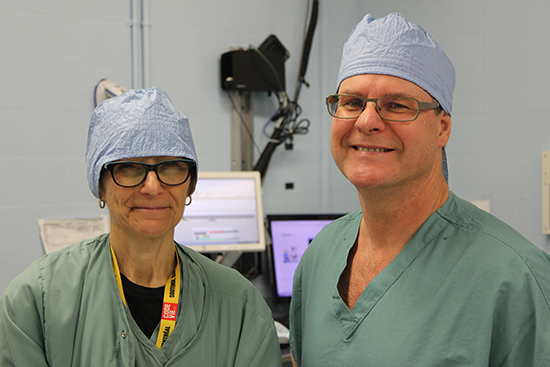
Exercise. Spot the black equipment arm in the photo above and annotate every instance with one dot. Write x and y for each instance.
(288, 109)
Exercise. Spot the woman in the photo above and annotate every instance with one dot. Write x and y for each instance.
(133, 297)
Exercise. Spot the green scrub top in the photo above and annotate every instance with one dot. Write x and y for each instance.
(466, 290)
(65, 310)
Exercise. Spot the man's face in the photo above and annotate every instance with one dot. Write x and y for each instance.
(374, 153)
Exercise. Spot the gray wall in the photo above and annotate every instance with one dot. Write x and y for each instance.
(53, 53)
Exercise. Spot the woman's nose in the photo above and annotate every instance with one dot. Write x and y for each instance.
(151, 185)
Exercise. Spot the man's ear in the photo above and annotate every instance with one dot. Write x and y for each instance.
(445, 129)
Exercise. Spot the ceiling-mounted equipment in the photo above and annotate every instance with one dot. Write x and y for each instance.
(287, 124)
(106, 89)
(251, 69)
(245, 70)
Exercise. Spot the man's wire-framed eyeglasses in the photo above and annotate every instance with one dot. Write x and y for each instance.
(398, 109)
(173, 172)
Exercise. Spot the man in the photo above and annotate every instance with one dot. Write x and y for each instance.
(417, 277)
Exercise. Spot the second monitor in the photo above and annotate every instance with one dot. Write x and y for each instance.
(291, 234)
(225, 215)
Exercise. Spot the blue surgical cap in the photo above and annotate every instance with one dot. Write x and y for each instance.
(394, 46)
(138, 123)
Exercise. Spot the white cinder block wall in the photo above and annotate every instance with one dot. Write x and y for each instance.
(53, 53)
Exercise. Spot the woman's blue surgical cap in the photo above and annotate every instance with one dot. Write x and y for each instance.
(138, 123)
(394, 46)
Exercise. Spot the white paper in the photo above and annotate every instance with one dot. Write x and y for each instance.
(59, 233)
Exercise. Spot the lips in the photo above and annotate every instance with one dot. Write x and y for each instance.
(150, 208)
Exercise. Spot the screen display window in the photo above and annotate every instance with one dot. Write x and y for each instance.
(225, 214)
(290, 236)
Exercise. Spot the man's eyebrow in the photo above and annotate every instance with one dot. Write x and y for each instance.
(347, 91)
(389, 94)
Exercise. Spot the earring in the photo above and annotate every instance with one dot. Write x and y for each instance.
(190, 200)
(101, 204)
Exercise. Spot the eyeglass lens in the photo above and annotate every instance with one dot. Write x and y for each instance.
(390, 108)
(129, 174)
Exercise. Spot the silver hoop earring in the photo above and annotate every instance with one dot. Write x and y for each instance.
(190, 200)
(101, 204)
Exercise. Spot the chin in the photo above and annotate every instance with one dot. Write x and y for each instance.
(365, 178)
(152, 230)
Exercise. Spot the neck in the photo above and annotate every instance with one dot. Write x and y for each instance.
(392, 216)
(146, 262)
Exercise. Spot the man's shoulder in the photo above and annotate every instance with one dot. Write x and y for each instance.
(467, 217)
(496, 244)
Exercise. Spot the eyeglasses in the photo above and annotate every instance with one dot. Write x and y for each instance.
(399, 109)
(173, 172)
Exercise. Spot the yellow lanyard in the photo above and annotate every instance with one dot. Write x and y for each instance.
(170, 302)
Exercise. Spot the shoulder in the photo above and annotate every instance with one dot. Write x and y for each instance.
(483, 228)
(226, 283)
(219, 276)
(468, 217)
(494, 245)
(55, 278)
(63, 265)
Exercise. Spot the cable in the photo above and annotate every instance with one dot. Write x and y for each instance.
(270, 64)
(287, 125)
(243, 122)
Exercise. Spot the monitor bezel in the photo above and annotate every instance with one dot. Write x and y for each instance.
(258, 246)
(288, 217)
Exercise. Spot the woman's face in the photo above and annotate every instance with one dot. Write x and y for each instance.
(151, 209)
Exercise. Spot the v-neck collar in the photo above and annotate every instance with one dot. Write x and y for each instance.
(375, 290)
(187, 327)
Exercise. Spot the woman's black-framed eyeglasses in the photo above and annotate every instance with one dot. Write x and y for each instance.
(173, 172)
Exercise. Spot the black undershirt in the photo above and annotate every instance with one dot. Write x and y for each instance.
(145, 304)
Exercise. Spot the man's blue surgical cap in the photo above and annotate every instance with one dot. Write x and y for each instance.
(394, 46)
(138, 123)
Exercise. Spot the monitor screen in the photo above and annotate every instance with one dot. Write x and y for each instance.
(290, 236)
(225, 214)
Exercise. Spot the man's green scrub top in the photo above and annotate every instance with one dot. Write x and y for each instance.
(65, 310)
(466, 290)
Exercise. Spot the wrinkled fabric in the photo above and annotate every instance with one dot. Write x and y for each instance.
(394, 46)
(466, 290)
(138, 123)
(65, 310)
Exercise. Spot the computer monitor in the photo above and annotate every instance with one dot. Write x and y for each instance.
(290, 236)
(225, 214)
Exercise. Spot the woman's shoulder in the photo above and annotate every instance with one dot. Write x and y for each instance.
(66, 267)
(79, 253)
(66, 262)
(216, 273)
(221, 279)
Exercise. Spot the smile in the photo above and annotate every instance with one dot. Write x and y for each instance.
(372, 150)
